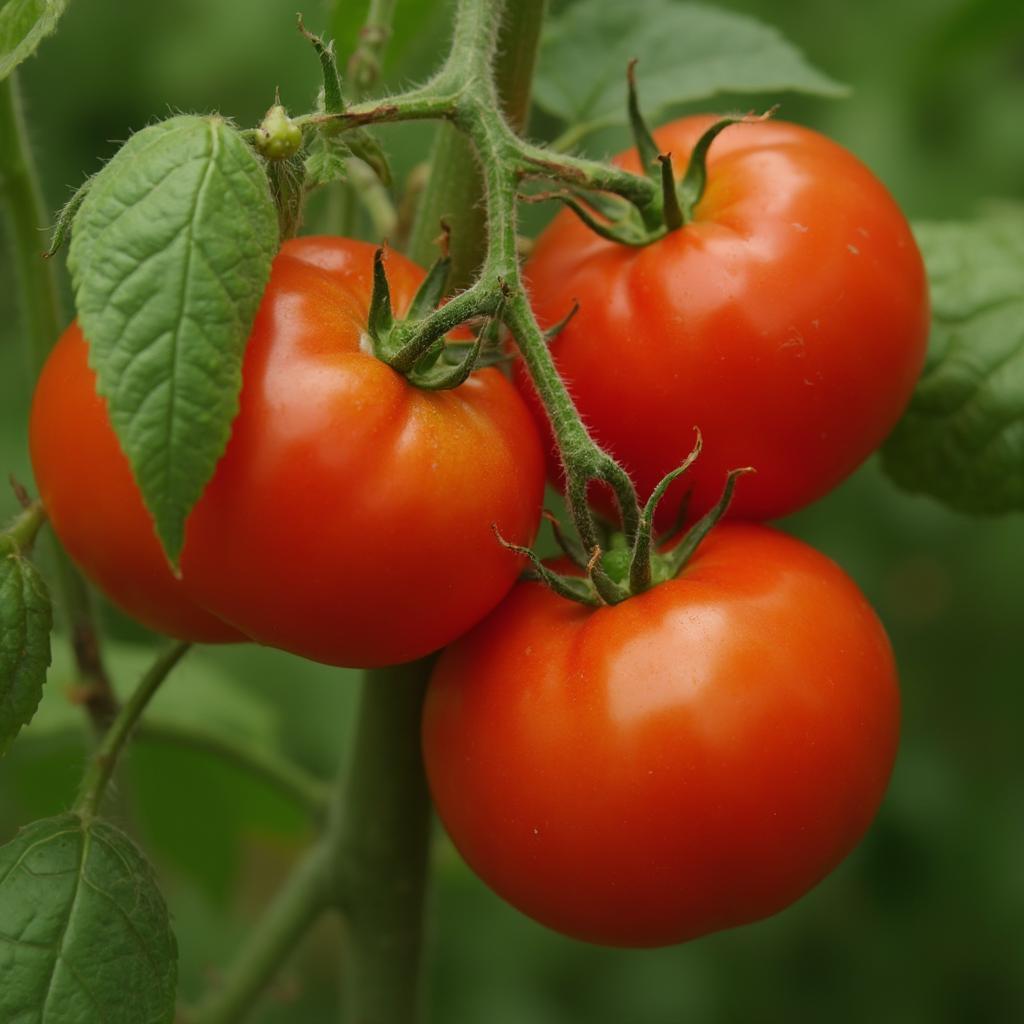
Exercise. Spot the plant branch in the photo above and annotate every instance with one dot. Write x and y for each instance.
(292, 912)
(104, 761)
(454, 191)
(365, 63)
(379, 841)
(505, 158)
(23, 201)
(41, 310)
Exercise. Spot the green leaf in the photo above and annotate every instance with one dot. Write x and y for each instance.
(84, 931)
(170, 253)
(686, 51)
(325, 162)
(23, 26)
(962, 438)
(25, 622)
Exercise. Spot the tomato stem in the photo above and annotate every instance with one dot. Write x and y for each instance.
(365, 63)
(44, 318)
(104, 761)
(380, 838)
(454, 191)
(465, 92)
(294, 909)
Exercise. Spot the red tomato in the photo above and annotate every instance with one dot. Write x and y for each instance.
(788, 321)
(691, 759)
(349, 520)
(95, 508)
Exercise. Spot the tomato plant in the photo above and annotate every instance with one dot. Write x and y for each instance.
(787, 320)
(267, 423)
(694, 758)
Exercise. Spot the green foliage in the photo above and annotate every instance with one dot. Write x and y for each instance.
(196, 809)
(170, 252)
(85, 932)
(325, 160)
(920, 926)
(962, 439)
(23, 26)
(25, 622)
(687, 52)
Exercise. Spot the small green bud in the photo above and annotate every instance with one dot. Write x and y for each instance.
(280, 137)
(616, 564)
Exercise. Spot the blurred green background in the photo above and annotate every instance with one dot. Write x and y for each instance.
(925, 921)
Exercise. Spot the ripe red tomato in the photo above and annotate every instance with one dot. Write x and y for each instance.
(95, 508)
(350, 519)
(788, 321)
(691, 759)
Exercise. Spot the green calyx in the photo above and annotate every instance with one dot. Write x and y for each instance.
(672, 204)
(416, 346)
(624, 569)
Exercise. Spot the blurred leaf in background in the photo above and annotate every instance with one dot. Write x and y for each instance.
(689, 52)
(962, 439)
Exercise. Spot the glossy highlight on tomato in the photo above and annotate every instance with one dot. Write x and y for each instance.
(694, 758)
(787, 321)
(350, 518)
(94, 506)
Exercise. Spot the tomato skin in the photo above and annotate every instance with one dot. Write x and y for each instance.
(350, 519)
(87, 487)
(788, 321)
(692, 759)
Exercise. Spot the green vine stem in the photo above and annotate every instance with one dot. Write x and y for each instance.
(104, 760)
(361, 74)
(380, 838)
(455, 186)
(23, 203)
(464, 92)
(365, 63)
(370, 863)
(294, 910)
(451, 194)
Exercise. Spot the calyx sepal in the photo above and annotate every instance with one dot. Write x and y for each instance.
(623, 569)
(427, 360)
(674, 202)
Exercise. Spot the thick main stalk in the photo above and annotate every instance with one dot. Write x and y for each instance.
(380, 837)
